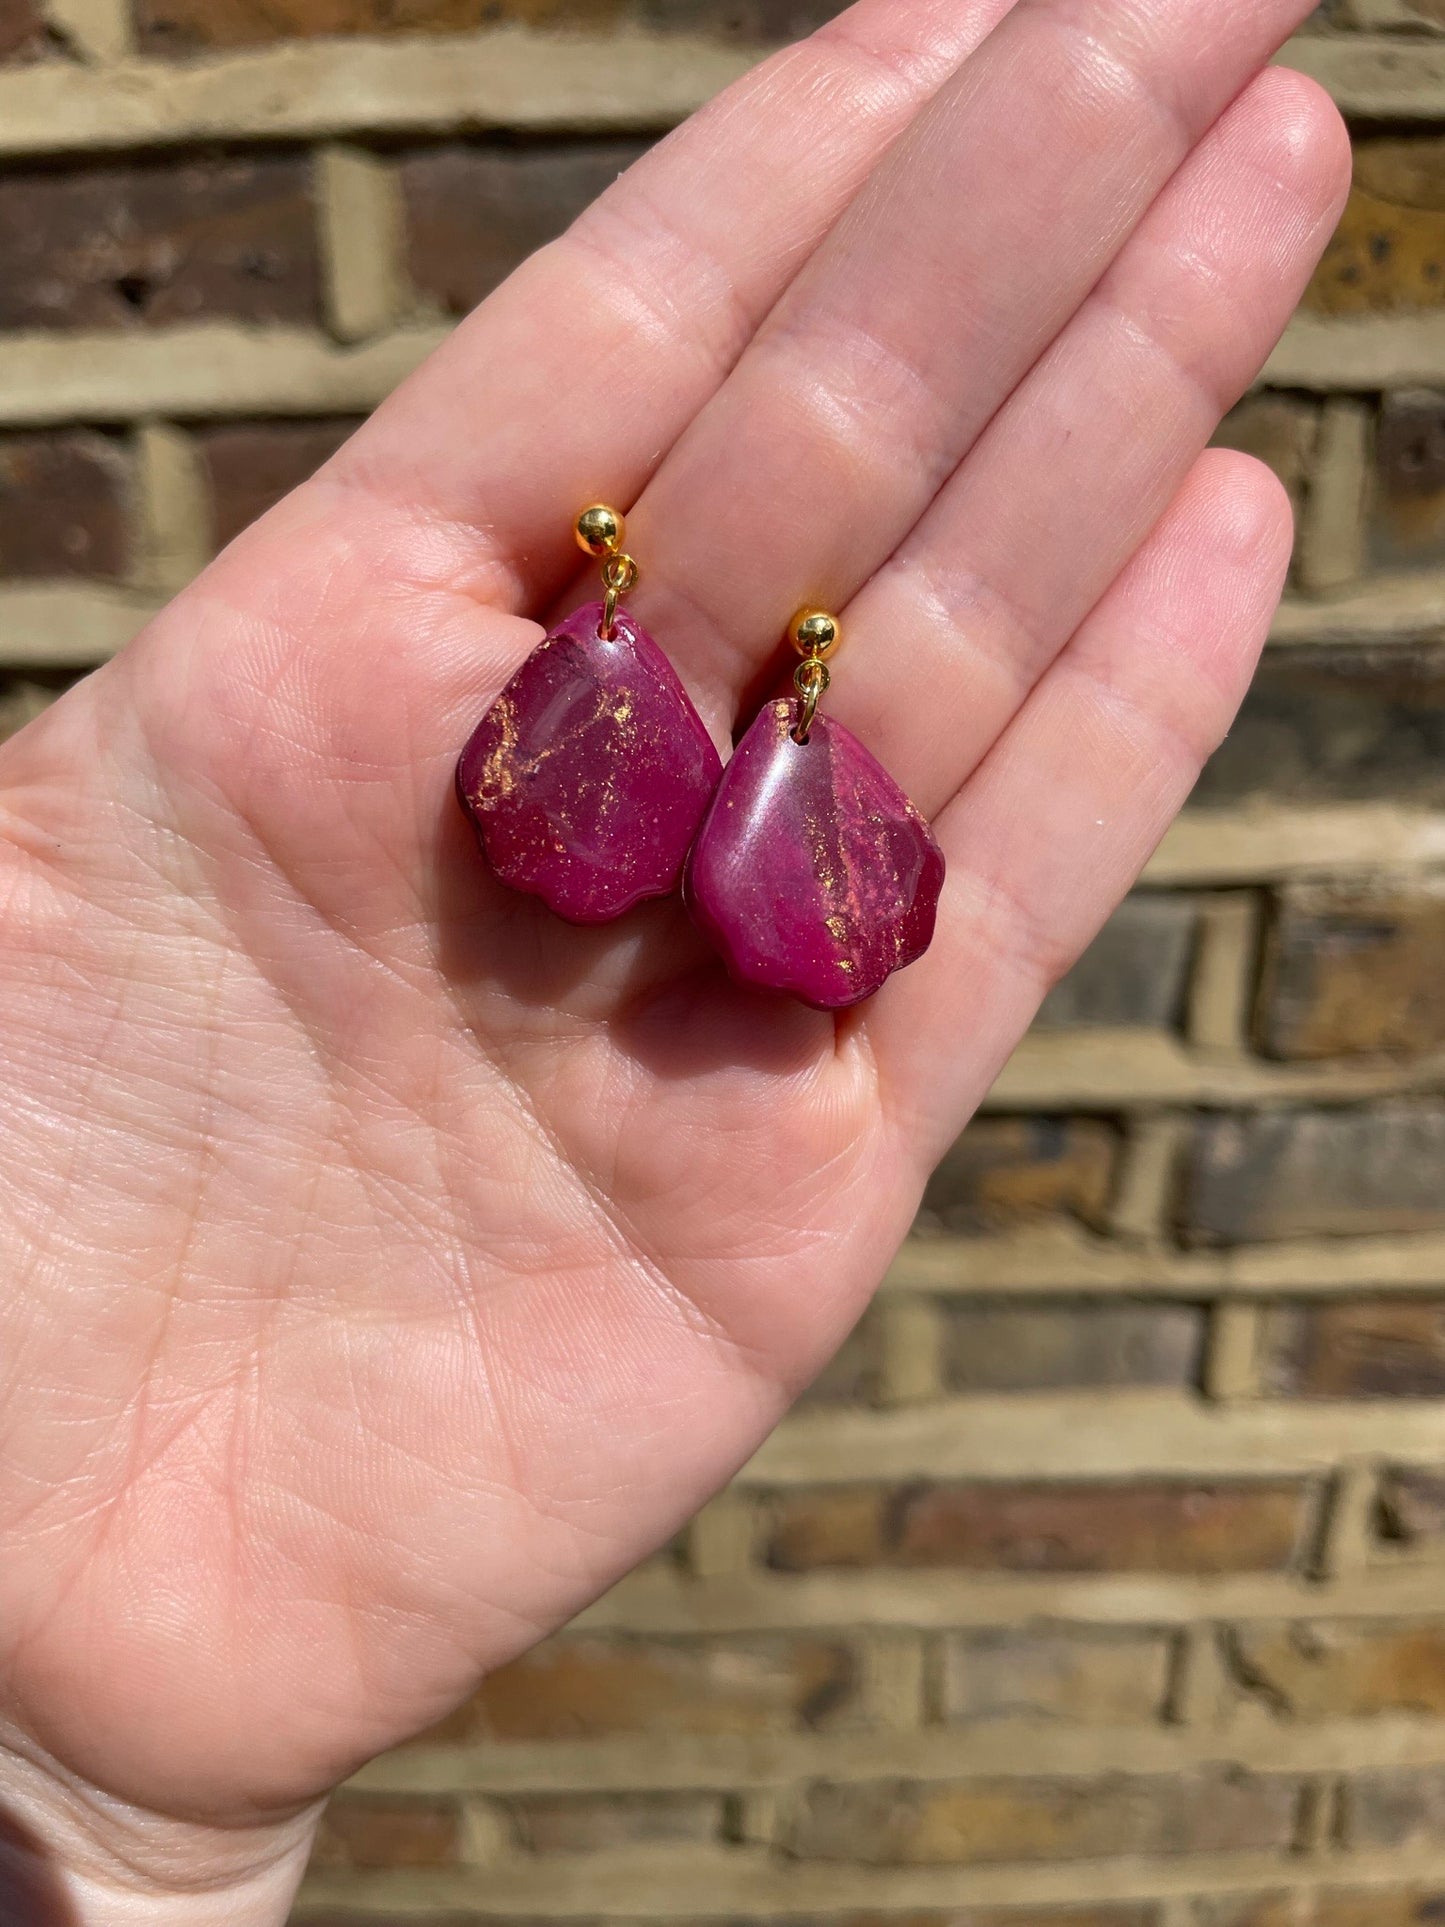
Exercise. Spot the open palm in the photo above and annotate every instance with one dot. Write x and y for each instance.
(387, 1266)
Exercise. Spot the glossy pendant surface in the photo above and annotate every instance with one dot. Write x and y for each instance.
(813, 874)
(589, 775)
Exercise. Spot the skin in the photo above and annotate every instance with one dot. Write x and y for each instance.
(387, 1267)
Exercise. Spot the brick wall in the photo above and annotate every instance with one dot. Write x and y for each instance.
(1101, 1582)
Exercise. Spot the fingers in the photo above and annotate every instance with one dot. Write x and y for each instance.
(969, 249)
(574, 379)
(1061, 817)
(1086, 455)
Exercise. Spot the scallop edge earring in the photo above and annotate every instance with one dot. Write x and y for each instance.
(587, 778)
(813, 874)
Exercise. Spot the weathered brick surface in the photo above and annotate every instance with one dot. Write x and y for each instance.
(1389, 253)
(1016, 1348)
(159, 243)
(1353, 970)
(1341, 726)
(1010, 1170)
(1377, 1348)
(1258, 1526)
(408, 1917)
(591, 1688)
(64, 505)
(250, 466)
(1411, 1507)
(895, 1824)
(1096, 1679)
(594, 1823)
(1145, 1914)
(1319, 1669)
(1135, 974)
(1395, 1808)
(1296, 1174)
(474, 213)
(1407, 521)
(1122, 1916)
(178, 25)
(361, 1832)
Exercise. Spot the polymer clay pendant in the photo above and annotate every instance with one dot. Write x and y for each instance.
(587, 778)
(812, 873)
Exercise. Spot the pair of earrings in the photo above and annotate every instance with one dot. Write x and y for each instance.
(593, 784)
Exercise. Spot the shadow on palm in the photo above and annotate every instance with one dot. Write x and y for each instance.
(649, 981)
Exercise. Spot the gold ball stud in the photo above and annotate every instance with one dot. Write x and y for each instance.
(600, 530)
(815, 634)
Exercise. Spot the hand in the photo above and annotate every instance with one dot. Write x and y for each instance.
(387, 1266)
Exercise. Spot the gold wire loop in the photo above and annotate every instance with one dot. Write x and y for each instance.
(817, 636)
(619, 578)
(811, 680)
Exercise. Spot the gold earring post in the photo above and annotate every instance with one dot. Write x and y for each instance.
(601, 532)
(817, 636)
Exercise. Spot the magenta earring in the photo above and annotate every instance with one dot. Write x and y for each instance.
(588, 777)
(813, 874)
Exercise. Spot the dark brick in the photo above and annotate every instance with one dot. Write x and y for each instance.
(853, 1376)
(901, 1824)
(1355, 969)
(1388, 254)
(360, 1831)
(21, 701)
(1135, 974)
(1407, 521)
(23, 33)
(595, 1822)
(1411, 1505)
(749, 20)
(1140, 1526)
(1019, 1348)
(1336, 725)
(252, 465)
(1383, 1348)
(179, 25)
(63, 505)
(1339, 1908)
(475, 213)
(580, 1688)
(159, 242)
(1297, 1174)
(1004, 1171)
